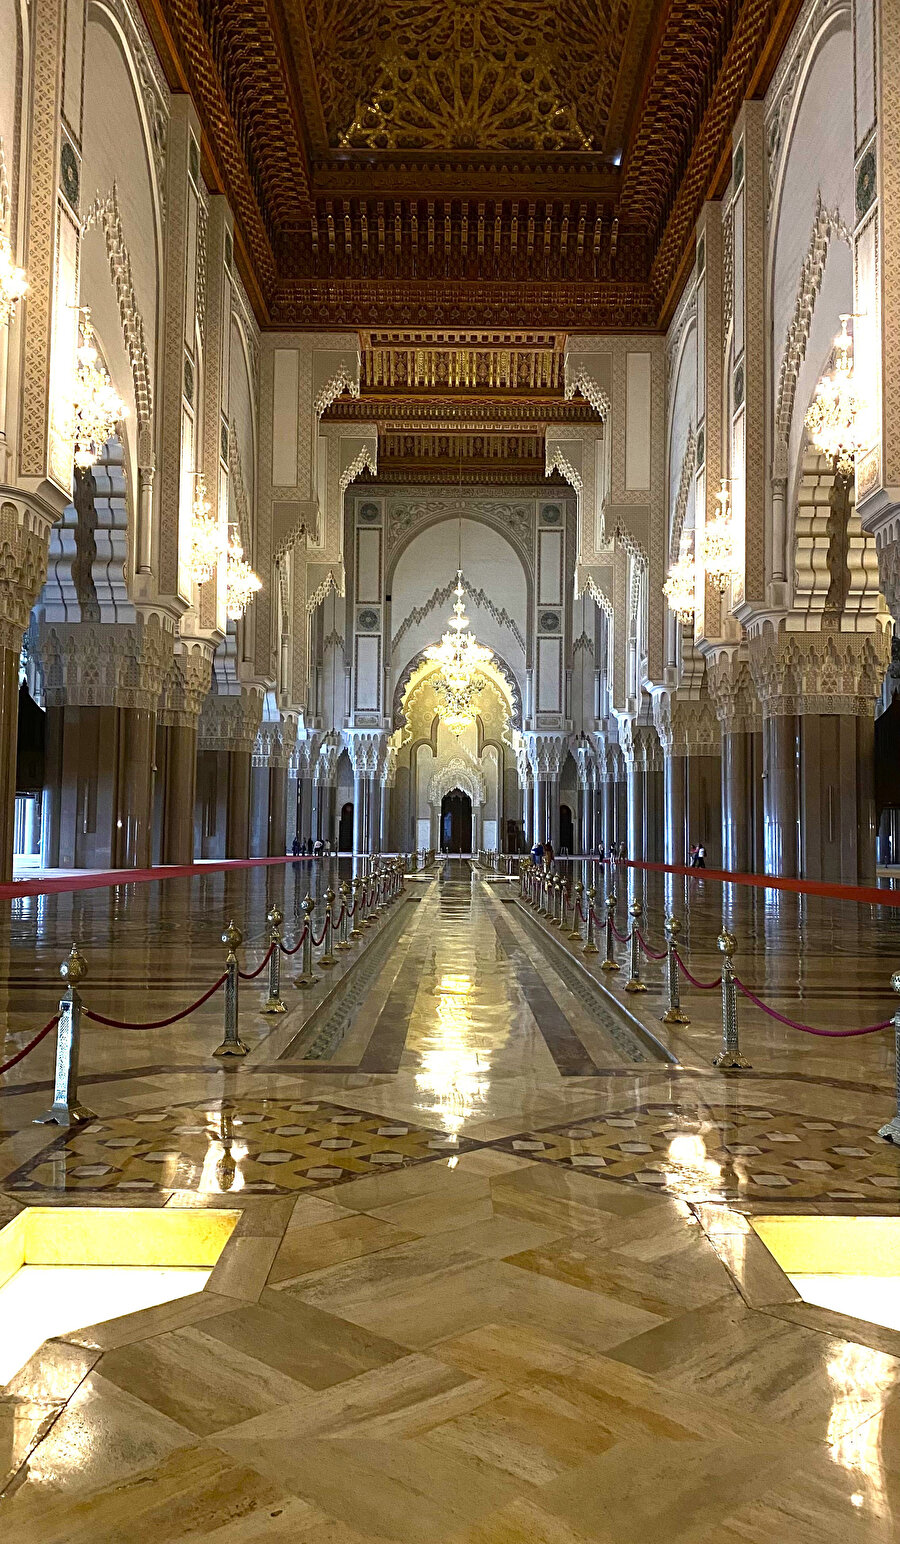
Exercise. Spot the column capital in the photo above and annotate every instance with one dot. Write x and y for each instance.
(231, 723)
(24, 535)
(547, 752)
(733, 691)
(106, 664)
(798, 672)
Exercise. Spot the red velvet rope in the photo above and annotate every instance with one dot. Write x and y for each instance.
(650, 953)
(20, 1055)
(296, 946)
(622, 937)
(251, 975)
(829, 1034)
(704, 986)
(317, 941)
(100, 1018)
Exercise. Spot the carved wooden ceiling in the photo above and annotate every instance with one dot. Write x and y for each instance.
(472, 406)
(468, 163)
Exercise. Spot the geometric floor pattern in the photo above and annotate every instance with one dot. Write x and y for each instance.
(263, 1146)
(718, 1152)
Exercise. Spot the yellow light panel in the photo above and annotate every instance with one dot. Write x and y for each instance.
(848, 1264)
(64, 1268)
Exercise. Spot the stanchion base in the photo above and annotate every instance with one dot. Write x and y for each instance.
(231, 1049)
(273, 1005)
(64, 1115)
(305, 981)
(634, 986)
(325, 961)
(607, 964)
(674, 1016)
(342, 946)
(574, 934)
(891, 1132)
(731, 1061)
(356, 932)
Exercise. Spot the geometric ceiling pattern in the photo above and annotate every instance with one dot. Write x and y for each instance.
(467, 163)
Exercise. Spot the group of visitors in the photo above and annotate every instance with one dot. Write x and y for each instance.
(542, 854)
(310, 848)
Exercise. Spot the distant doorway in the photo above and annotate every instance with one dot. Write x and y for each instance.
(566, 830)
(345, 829)
(456, 822)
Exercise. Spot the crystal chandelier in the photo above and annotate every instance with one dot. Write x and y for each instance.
(458, 654)
(241, 583)
(680, 588)
(835, 419)
(206, 546)
(457, 705)
(718, 544)
(96, 406)
(13, 282)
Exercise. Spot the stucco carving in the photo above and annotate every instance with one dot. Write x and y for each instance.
(685, 483)
(457, 773)
(477, 597)
(515, 518)
(104, 211)
(827, 224)
(818, 672)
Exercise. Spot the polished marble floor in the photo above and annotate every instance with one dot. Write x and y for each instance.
(493, 1281)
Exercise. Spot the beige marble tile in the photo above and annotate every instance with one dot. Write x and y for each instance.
(101, 1437)
(184, 1375)
(243, 1267)
(302, 1341)
(404, 1491)
(555, 1196)
(401, 1400)
(307, 1249)
(751, 1361)
(23, 1422)
(522, 1522)
(151, 1321)
(510, 1354)
(287, 1521)
(190, 1493)
(661, 1287)
(657, 1489)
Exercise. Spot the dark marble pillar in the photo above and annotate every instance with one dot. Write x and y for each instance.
(780, 749)
(237, 818)
(635, 828)
(675, 774)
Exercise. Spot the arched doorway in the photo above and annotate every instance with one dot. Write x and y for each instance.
(345, 829)
(566, 830)
(456, 822)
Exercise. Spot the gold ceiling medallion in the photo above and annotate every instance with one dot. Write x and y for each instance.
(491, 76)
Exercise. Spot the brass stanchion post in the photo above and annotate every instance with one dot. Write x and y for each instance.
(610, 963)
(232, 1045)
(274, 1003)
(307, 976)
(66, 1109)
(634, 983)
(356, 931)
(327, 957)
(589, 946)
(891, 1132)
(674, 1014)
(344, 941)
(729, 1058)
(577, 891)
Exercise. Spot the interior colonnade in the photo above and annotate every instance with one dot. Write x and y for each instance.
(183, 704)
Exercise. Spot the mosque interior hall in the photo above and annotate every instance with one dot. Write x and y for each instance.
(449, 772)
